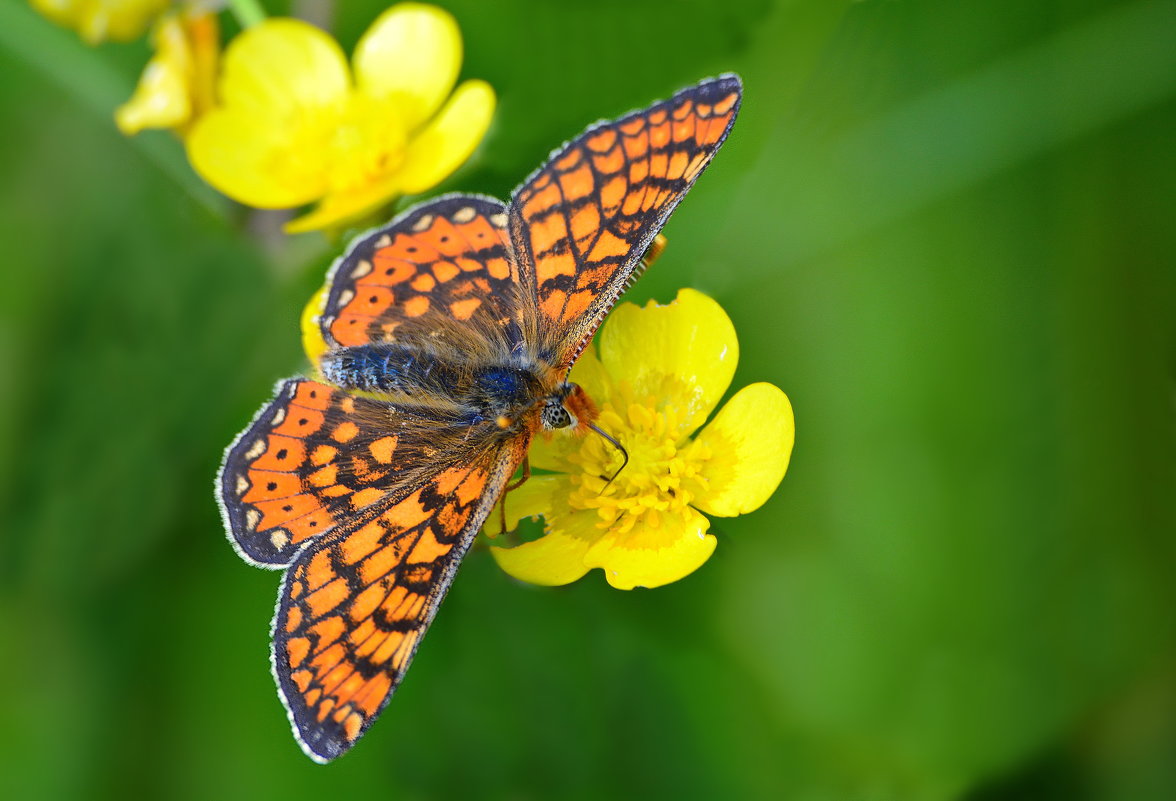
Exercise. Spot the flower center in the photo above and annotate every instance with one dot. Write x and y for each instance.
(662, 475)
(367, 144)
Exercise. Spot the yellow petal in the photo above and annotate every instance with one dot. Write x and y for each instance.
(284, 69)
(449, 138)
(312, 334)
(412, 54)
(163, 97)
(552, 560)
(283, 88)
(530, 500)
(589, 373)
(339, 208)
(558, 556)
(750, 444)
(99, 20)
(203, 33)
(649, 557)
(682, 354)
(245, 156)
(549, 451)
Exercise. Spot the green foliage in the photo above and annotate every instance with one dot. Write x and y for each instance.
(945, 229)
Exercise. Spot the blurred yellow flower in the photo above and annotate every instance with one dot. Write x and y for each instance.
(313, 342)
(99, 20)
(294, 127)
(177, 84)
(656, 373)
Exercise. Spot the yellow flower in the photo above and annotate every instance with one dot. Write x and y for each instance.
(313, 342)
(177, 83)
(656, 374)
(99, 20)
(294, 127)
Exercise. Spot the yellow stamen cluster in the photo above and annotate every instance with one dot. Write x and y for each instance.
(661, 479)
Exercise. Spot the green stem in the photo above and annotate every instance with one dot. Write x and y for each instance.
(247, 12)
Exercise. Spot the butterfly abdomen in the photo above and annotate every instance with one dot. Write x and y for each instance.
(394, 369)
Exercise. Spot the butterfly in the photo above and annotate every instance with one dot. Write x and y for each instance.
(450, 332)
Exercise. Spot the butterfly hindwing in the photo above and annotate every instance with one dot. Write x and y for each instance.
(582, 222)
(353, 609)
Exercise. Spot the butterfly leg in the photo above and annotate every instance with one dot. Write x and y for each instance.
(514, 485)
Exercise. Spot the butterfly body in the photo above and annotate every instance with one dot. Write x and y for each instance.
(448, 336)
(408, 375)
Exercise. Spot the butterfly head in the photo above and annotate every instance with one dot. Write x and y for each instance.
(568, 407)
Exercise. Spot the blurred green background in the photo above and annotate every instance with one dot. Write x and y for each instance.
(947, 230)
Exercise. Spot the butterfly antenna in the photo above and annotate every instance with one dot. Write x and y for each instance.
(620, 448)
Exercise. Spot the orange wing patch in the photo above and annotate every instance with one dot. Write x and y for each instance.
(316, 457)
(581, 224)
(447, 259)
(354, 608)
(273, 479)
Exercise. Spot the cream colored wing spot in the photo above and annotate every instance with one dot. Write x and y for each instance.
(498, 220)
(279, 416)
(279, 538)
(423, 223)
(464, 214)
(363, 268)
(252, 518)
(255, 450)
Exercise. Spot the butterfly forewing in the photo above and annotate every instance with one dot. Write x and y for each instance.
(582, 222)
(440, 275)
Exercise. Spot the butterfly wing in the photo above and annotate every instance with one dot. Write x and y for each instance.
(292, 475)
(317, 457)
(442, 274)
(371, 505)
(353, 608)
(582, 222)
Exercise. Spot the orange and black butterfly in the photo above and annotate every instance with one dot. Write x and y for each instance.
(450, 334)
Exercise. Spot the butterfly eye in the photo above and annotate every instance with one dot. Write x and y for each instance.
(555, 416)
